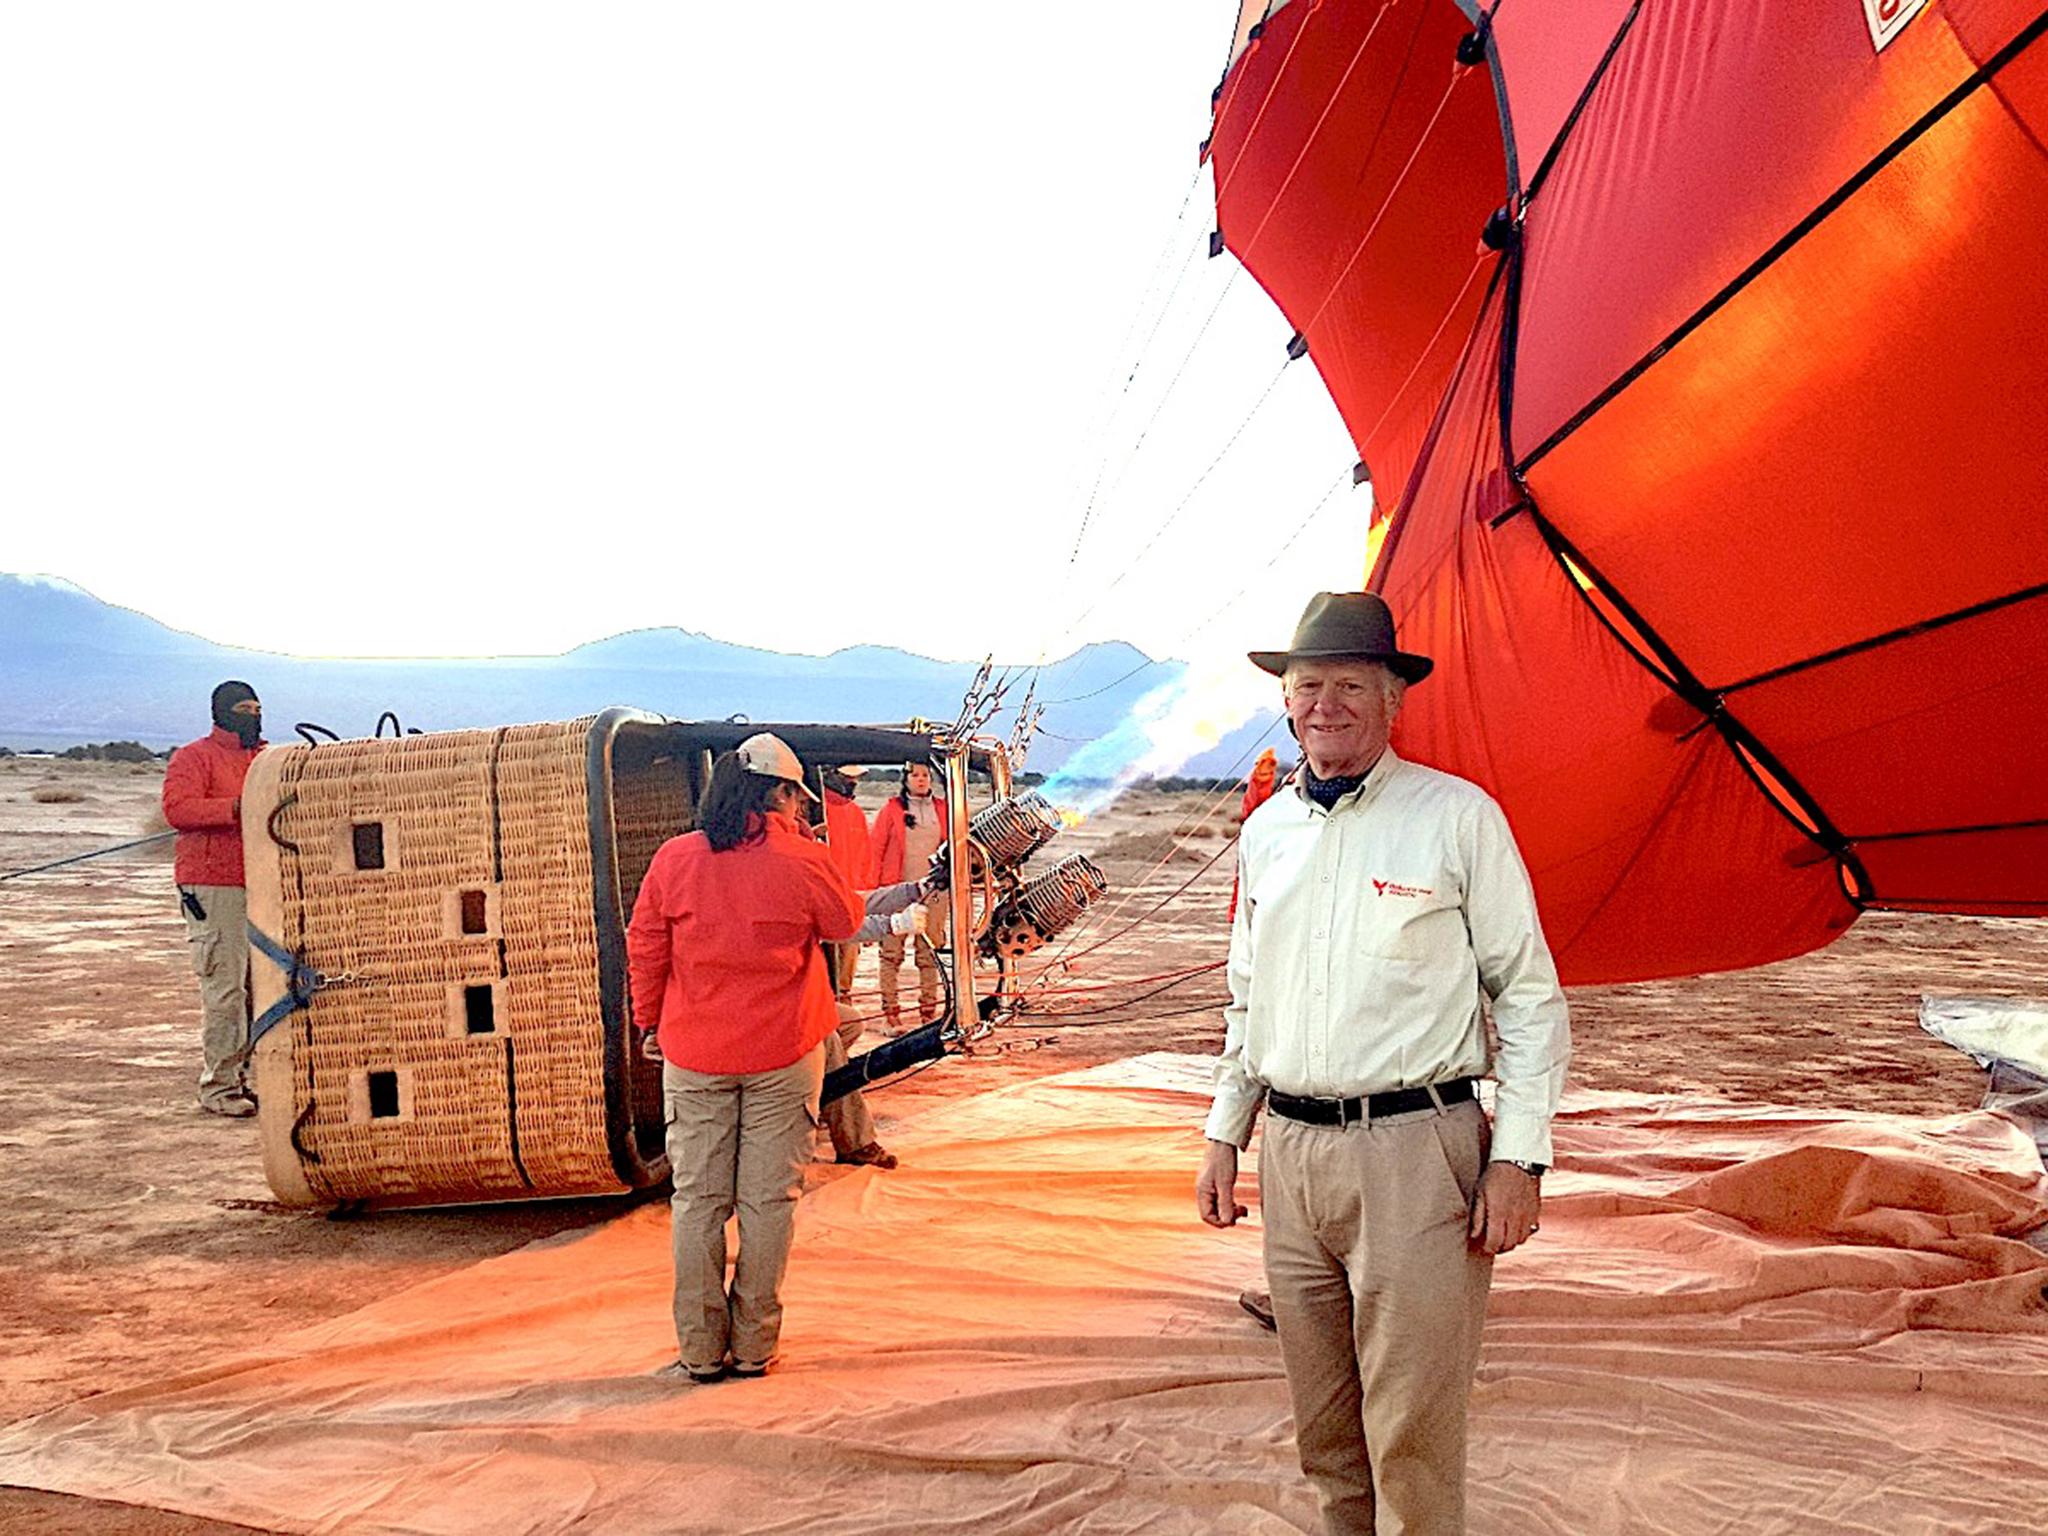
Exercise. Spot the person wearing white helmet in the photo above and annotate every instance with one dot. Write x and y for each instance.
(726, 957)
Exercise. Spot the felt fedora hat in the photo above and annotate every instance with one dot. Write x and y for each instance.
(1346, 626)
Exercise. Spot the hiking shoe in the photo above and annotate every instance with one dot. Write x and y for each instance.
(231, 1106)
(1260, 1305)
(750, 1370)
(873, 1155)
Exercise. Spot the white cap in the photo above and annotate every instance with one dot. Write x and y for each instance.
(768, 755)
(851, 770)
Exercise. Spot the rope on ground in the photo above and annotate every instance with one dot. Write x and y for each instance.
(97, 853)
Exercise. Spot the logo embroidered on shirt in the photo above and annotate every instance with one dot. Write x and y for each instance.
(1395, 888)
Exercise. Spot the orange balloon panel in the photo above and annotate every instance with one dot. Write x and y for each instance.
(1816, 446)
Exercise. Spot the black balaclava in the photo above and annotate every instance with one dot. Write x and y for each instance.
(840, 784)
(248, 727)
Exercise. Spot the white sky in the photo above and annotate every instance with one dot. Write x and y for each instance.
(469, 329)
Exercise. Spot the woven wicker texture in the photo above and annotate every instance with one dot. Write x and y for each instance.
(405, 1084)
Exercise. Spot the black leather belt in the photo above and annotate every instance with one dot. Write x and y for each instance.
(1374, 1106)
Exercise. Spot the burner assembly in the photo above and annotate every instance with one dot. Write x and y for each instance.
(1020, 915)
(1041, 908)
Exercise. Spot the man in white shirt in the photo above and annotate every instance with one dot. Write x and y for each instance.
(1379, 899)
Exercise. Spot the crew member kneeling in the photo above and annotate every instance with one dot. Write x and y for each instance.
(726, 957)
(1378, 898)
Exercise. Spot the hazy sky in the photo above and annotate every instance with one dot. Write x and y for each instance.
(472, 329)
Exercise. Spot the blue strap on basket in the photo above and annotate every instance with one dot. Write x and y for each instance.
(301, 981)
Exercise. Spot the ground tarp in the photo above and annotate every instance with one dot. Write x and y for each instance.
(1738, 1318)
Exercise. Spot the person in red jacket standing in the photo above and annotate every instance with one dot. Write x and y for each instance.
(1258, 789)
(846, 839)
(203, 800)
(725, 953)
(909, 829)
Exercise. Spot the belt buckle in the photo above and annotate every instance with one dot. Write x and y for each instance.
(1345, 1119)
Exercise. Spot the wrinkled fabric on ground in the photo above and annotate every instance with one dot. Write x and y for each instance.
(1738, 1317)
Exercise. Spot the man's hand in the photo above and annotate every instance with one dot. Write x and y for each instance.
(650, 1046)
(910, 920)
(1505, 1210)
(1216, 1188)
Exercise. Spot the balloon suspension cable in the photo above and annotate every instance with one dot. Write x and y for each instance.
(1187, 497)
(981, 702)
(1029, 722)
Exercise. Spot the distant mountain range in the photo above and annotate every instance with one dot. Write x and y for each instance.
(75, 669)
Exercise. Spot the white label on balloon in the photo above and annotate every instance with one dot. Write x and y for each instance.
(1888, 18)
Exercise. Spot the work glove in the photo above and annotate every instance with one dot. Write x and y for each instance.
(909, 921)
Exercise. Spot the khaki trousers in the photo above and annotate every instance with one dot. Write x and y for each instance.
(736, 1143)
(219, 946)
(1379, 1299)
(927, 966)
(847, 1118)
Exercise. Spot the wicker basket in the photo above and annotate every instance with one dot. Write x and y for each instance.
(463, 896)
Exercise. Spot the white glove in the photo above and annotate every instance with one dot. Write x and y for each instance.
(909, 920)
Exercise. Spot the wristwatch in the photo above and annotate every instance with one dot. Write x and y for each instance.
(1534, 1170)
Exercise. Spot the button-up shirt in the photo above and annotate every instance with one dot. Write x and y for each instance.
(1364, 939)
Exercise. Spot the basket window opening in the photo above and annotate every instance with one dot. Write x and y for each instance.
(475, 917)
(384, 1095)
(479, 1014)
(366, 840)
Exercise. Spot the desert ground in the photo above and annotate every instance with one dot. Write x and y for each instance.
(139, 1239)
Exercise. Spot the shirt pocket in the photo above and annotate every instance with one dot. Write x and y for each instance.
(1414, 915)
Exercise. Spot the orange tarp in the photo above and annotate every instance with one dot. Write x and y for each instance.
(1737, 1318)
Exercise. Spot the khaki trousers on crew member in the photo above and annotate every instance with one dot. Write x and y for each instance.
(927, 965)
(847, 1117)
(1379, 1300)
(845, 957)
(219, 945)
(736, 1142)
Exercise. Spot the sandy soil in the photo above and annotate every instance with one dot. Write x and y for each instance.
(139, 1239)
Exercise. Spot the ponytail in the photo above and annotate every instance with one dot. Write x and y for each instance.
(734, 803)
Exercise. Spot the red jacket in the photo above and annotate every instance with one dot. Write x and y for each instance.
(846, 833)
(889, 840)
(723, 948)
(202, 799)
(1258, 789)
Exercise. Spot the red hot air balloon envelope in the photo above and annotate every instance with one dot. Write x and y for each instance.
(1699, 352)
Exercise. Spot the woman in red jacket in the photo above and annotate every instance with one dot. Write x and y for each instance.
(725, 956)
